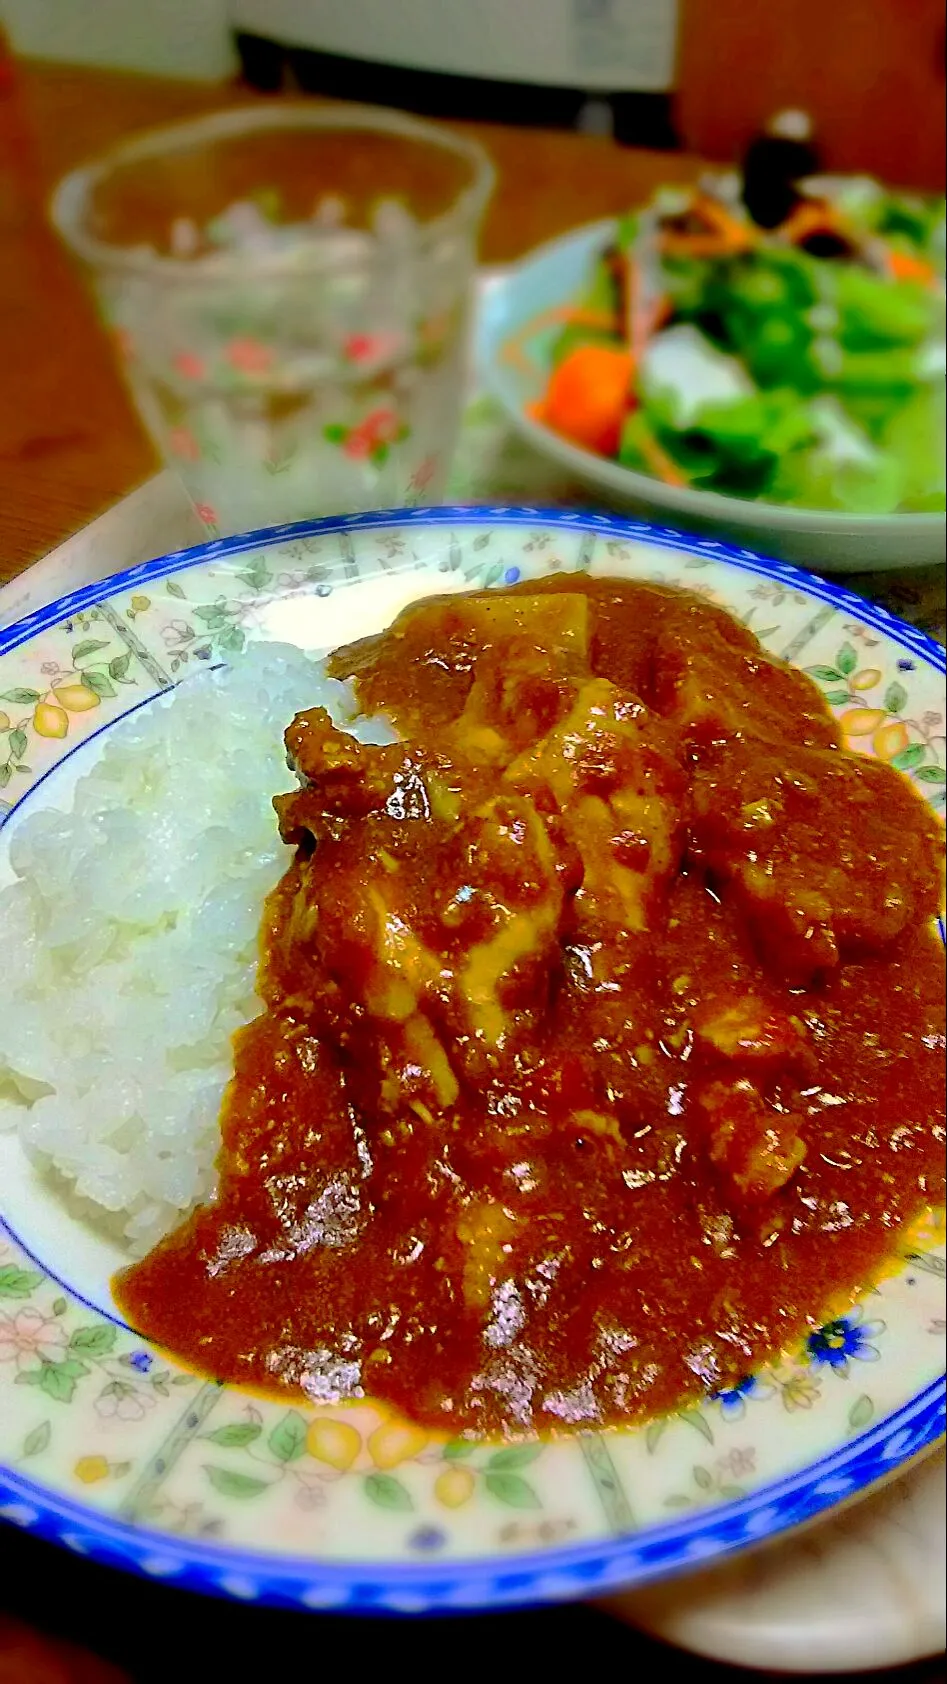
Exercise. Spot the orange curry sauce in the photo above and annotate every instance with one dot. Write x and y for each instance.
(603, 1038)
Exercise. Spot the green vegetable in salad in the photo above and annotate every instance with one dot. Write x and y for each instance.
(914, 439)
(873, 312)
(801, 365)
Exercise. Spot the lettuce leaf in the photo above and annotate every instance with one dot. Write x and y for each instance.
(812, 480)
(874, 311)
(914, 438)
(845, 469)
(727, 446)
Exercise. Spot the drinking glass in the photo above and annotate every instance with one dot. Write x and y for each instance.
(288, 291)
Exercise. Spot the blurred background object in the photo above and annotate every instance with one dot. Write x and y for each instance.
(869, 72)
(602, 66)
(190, 38)
(653, 72)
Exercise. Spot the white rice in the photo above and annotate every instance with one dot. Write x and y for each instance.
(129, 940)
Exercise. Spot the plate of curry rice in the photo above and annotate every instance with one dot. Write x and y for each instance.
(471, 1058)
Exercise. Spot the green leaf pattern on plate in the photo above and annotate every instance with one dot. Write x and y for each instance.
(875, 717)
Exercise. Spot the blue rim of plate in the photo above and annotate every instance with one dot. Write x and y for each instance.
(557, 1574)
(470, 514)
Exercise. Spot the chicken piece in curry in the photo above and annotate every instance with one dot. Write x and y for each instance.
(602, 1047)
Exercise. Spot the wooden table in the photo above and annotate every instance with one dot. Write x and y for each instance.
(70, 444)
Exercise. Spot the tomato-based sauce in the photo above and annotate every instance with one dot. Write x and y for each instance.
(603, 1041)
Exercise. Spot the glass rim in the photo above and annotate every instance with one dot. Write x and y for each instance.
(71, 196)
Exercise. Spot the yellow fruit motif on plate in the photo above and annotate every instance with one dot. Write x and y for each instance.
(335, 1442)
(394, 1442)
(50, 720)
(454, 1487)
(889, 1269)
(926, 1233)
(867, 679)
(4, 721)
(929, 1230)
(90, 1469)
(861, 722)
(76, 698)
(891, 740)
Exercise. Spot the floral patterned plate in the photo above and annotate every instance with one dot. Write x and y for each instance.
(109, 1448)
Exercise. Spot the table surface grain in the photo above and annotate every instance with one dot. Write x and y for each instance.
(70, 445)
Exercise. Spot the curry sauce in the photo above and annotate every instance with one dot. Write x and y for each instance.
(603, 1034)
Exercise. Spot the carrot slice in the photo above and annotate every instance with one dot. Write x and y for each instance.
(513, 352)
(658, 459)
(737, 233)
(579, 316)
(722, 234)
(816, 216)
(904, 266)
(713, 244)
(588, 395)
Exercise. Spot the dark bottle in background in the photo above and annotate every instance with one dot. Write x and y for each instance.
(776, 161)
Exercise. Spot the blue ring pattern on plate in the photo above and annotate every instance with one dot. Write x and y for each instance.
(558, 1574)
(604, 525)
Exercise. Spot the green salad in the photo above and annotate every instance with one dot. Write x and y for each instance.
(802, 364)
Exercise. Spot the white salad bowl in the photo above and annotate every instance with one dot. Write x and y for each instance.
(826, 539)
